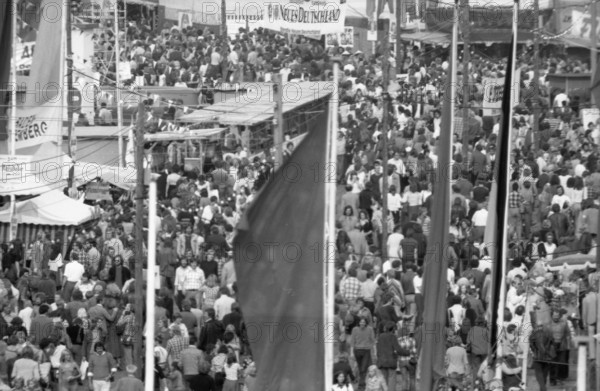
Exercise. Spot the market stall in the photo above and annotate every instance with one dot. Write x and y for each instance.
(249, 112)
(51, 212)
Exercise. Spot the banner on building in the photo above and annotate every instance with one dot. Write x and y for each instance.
(38, 125)
(589, 115)
(307, 17)
(493, 90)
(185, 19)
(24, 55)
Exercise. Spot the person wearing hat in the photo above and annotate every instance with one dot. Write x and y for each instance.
(129, 382)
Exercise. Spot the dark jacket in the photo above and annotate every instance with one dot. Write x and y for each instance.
(112, 274)
(388, 351)
(212, 331)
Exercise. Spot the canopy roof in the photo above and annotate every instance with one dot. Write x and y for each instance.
(255, 104)
(193, 134)
(123, 177)
(51, 208)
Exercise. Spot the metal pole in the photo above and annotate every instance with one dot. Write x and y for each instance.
(224, 22)
(330, 205)
(594, 36)
(72, 147)
(12, 137)
(118, 85)
(150, 299)
(466, 90)
(399, 58)
(278, 119)
(536, 75)
(385, 67)
(582, 367)
(139, 235)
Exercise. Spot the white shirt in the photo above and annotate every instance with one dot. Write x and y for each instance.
(161, 353)
(394, 202)
(179, 277)
(223, 306)
(560, 200)
(399, 166)
(368, 288)
(480, 218)
(74, 271)
(393, 244)
(418, 284)
(26, 314)
(193, 279)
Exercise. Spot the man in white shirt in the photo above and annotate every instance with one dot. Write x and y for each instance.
(517, 270)
(393, 246)
(223, 304)
(72, 275)
(515, 296)
(193, 280)
(368, 288)
(180, 273)
(394, 204)
(479, 221)
(399, 163)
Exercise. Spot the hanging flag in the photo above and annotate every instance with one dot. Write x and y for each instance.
(40, 119)
(500, 193)
(6, 42)
(435, 282)
(280, 271)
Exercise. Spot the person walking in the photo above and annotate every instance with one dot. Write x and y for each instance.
(362, 342)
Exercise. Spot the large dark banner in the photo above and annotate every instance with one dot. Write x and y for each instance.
(6, 42)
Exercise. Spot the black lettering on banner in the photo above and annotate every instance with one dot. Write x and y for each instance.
(36, 130)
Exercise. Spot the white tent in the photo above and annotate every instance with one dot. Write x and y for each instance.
(51, 208)
(123, 177)
(45, 168)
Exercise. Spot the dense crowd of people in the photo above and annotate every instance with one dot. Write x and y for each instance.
(68, 318)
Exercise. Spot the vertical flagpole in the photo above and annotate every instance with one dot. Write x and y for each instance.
(150, 300)
(12, 138)
(329, 248)
(504, 244)
(61, 69)
(453, 68)
(118, 85)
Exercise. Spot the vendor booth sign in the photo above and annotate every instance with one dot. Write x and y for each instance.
(98, 192)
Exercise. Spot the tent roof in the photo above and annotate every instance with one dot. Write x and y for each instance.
(51, 208)
(432, 37)
(123, 177)
(256, 104)
(193, 134)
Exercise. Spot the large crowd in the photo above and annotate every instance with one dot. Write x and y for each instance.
(68, 319)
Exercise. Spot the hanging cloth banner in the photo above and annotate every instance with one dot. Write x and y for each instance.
(313, 17)
(38, 125)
